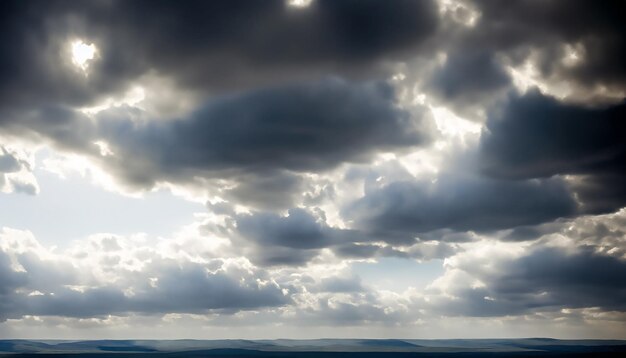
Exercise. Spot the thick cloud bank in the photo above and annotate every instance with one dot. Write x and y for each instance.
(301, 128)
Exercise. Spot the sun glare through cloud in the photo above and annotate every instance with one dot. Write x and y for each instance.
(82, 53)
(299, 3)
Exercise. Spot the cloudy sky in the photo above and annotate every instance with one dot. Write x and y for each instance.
(320, 168)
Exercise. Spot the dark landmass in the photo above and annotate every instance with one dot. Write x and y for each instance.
(285, 348)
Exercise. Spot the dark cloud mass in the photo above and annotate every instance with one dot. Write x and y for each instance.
(205, 45)
(526, 28)
(467, 75)
(293, 239)
(543, 279)
(214, 47)
(299, 128)
(298, 229)
(565, 138)
(460, 203)
(537, 136)
(578, 44)
(240, 40)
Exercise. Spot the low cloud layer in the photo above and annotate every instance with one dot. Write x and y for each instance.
(37, 282)
(542, 279)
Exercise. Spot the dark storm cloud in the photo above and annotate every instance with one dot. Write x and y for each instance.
(67, 128)
(523, 233)
(35, 55)
(537, 136)
(213, 48)
(304, 128)
(525, 26)
(460, 203)
(207, 45)
(468, 75)
(260, 138)
(542, 34)
(544, 279)
(228, 43)
(603, 192)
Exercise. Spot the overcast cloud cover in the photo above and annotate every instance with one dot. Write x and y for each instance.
(361, 168)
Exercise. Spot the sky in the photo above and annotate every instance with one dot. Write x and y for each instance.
(312, 169)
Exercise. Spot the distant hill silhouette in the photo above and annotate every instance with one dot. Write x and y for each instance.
(469, 348)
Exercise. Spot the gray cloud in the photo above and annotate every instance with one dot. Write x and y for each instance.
(308, 127)
(46, 288)
(261, 139)
(364, 251)
(544, 35)
(340, 284)
(525, 28)
(298, 237)
(294, 239)
(10, 167)
(298, 229)
(468, 77)
(214, 48)
(408, 208)
(36, 68)
(270, 191)
(536, 136)
(202, 45)
(8, 162)
(241, 42)
(542, 279)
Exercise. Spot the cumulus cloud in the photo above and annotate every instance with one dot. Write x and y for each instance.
(15, 173)
(539, 279)
(36, 281)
